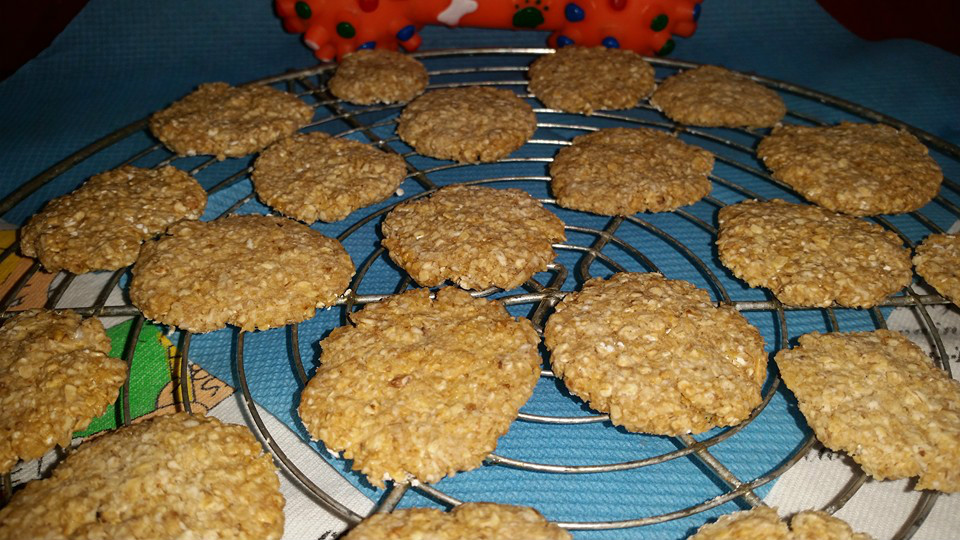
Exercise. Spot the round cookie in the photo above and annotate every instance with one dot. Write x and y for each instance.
(656, 354)
(474, 236)
(763, 522)
(421, 388)
(583, 80)
(470, 125)
(56, 377)
(620, 171)
(255, 272)
(173, 476)
(373, 76)
(858, 169)
(476, 521)
(226, 121)
(716, 96)
(315, 176)
(808, 256)
(938, 262)
(879, 398)
(101, 225)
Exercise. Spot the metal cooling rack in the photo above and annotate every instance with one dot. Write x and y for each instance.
(506, 67)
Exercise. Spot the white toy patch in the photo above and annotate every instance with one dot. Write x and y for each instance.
(456, 10)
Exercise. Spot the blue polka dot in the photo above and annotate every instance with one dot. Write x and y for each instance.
(406, 32)
(574, 13)
(368, 45)
(611, 42)
(563, 41)
(696, 13)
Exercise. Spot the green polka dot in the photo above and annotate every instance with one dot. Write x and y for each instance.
(346, 30)
(303, 10)
(667, 48)
(659, 22)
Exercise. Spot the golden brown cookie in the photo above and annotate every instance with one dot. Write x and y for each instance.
(476, 521)
(858, 169)
(378, 76)
(938, 262)
(474, 236)
(226, 121)
(878, 397)
(174, 476)
(716, 96)
(620, 171)
(656, 354)
(763, 523)
(583, 80)
(101, 225)
(315, 176)
(55, 377)
(808, 256)
(421, 388)
(255, 272)
(470, 125)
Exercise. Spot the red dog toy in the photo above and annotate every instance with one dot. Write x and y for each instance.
(333, 28)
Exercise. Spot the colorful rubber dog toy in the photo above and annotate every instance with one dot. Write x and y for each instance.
(333, 28)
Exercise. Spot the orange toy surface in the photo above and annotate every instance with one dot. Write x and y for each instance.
(333, 28)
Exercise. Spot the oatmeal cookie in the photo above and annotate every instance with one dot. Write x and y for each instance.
(421, 388)
(656, 354)
(716, 96)
(226, 121)
(315, 176)
(476, 521)
(475, 236)
(938, 262)
(378, 76)
(764, 523)
(809, 256)
(620, 171)
(101, 225)
(255, 272)
(470, 125)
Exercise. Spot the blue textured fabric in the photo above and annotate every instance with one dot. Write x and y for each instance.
(119, 61)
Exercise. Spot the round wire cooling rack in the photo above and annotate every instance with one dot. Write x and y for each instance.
(565, 477)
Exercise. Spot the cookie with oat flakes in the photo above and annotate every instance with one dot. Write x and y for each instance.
(471, 125)
(419, 387)
(477, 237)
(373, 76)
(226, 121)
(477, 521)
(314, 176)
(586, 79)
(879, 398)
(764, 523)
(56, 377)
(937, 260)
(102, 224)
(656, 354)
(251, 271)
(809, 256)
(857, 169)
(620, 171)
(173, 476)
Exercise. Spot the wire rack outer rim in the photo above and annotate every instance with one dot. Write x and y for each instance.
(22, 192)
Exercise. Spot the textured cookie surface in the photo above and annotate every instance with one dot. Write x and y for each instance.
(226, 121)
(477, 521)
(858, 169)
(764, 523)
(656, 354)
(55, 377)
(809, 256)
(475, 236)
(938, 262)
(315, 176)
(378, 76)
(716, 96)
(469, 125)
(583, 80)
(421, 388)
(255, 272)
(175, 476)
(619, 172)
(101, 225)
(878, 397)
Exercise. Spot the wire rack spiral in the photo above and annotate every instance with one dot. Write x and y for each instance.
(595, 246)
